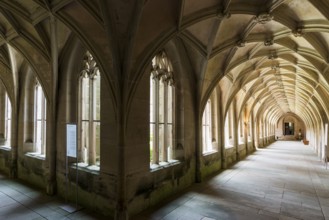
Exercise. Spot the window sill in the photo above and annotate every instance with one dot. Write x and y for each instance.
(5, 147)
(163, 165)
(36, 155)
(229, 147)
(209, 153)
(86, 168)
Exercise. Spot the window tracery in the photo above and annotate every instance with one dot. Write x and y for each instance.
(161, 110)
(89, 112)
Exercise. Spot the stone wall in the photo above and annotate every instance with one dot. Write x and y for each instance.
(299, 126)
(5, 155)
(210, 164)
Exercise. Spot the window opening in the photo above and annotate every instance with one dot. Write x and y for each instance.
(161, 110)
(207, 128)
(39, 120)
(8, 112)
(90, 104)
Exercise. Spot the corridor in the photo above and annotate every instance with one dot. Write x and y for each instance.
(22, 202)
(283, 181)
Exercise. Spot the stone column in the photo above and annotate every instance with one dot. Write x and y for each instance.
(2, 110)
(235, 131)
(253, 130)
(165, 119)
(92, 128)
(51, 110)
(14, 141)
(264, 132)
(221, 129)
(246, 129)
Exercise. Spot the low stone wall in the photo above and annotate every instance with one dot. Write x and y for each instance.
(94, 190)
(148, 189)
(210, 164)
(230, 156)
(32, 170)
(5, 154)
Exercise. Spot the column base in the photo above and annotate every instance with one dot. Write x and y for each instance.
(51, 187)
(224, 165)
(13, 170)
(237, 156)
(121, 214)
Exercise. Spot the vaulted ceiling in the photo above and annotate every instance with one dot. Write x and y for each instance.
(273, 54)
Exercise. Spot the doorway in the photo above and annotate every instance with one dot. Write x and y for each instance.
(289, 128)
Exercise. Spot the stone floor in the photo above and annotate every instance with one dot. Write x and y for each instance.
(18, 201)
(283, 181)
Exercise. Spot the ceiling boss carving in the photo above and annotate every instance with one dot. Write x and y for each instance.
(223, 14)
(275, 67)
(298, 32)
(273, 56)
(268, 42)
(263, 18)
(241, 43)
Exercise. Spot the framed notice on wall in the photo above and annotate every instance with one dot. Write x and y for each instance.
(71, 140)
(71, 151)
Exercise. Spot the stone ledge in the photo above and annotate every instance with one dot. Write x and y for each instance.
(36, 155)
(5, 148)
(209, 153)
(163, 165)
(86, 168)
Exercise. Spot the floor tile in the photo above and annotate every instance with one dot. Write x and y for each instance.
(21, 202)
(285, 181)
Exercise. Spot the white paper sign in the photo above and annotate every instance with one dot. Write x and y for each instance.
(71, 140)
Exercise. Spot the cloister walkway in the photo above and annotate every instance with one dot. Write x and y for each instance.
(284, 181)
(21, 202)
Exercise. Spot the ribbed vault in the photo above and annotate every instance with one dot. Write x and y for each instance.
(273, 51)
(266, 59)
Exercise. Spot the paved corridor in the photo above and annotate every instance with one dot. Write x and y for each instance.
(283, 181)
(20, 202)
